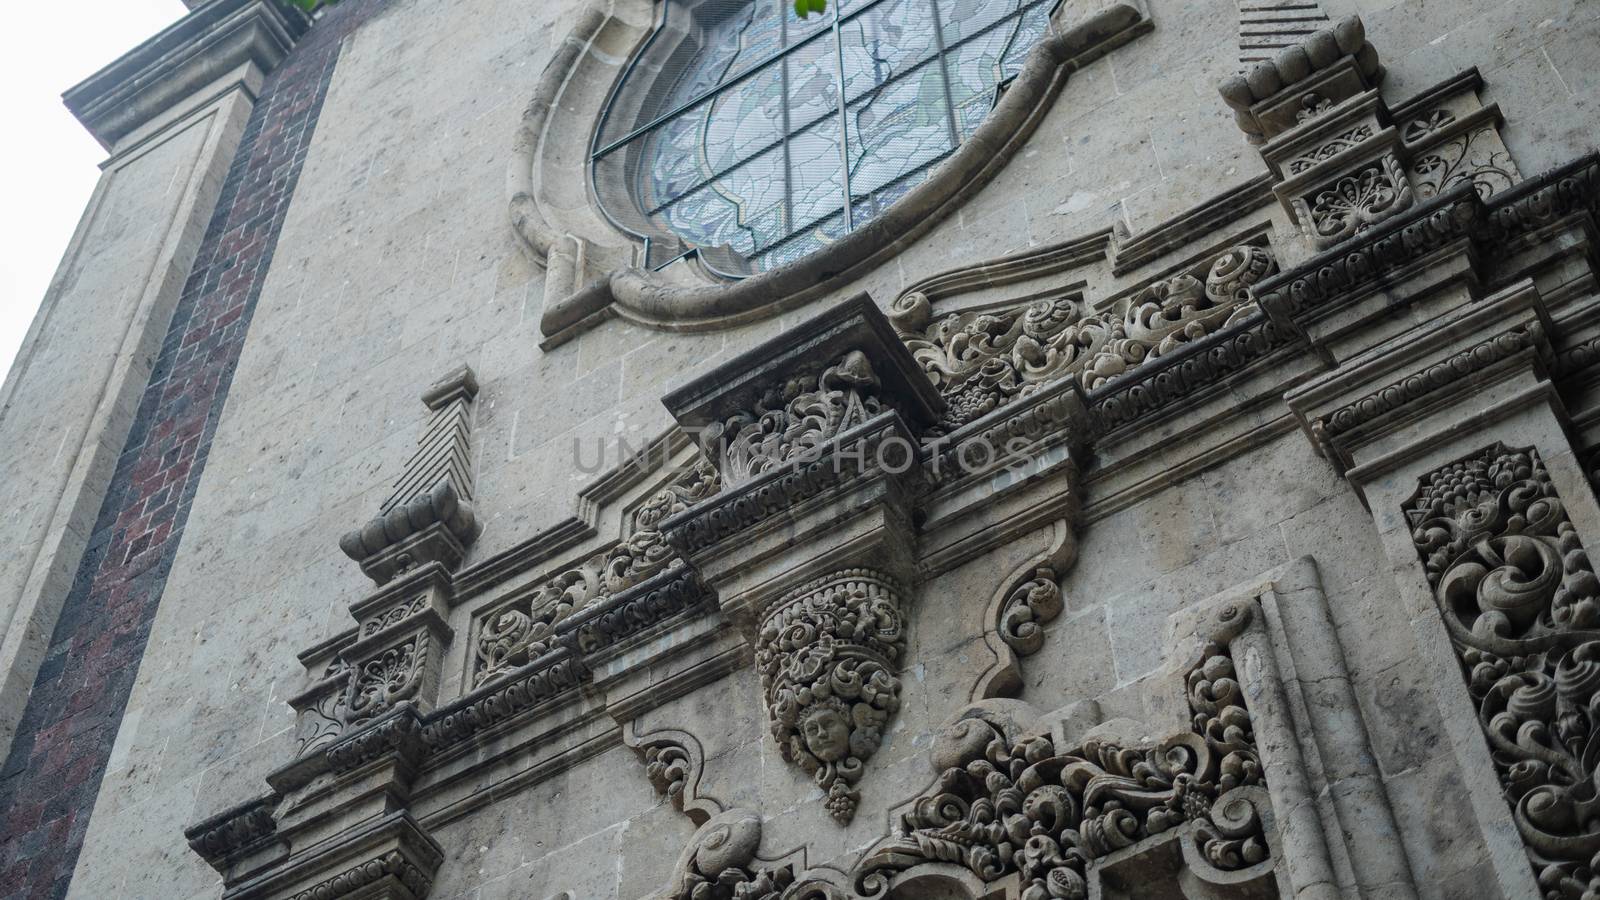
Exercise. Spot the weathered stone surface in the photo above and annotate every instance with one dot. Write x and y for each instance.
(1173, 634)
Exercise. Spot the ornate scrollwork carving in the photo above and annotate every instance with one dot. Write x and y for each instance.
(1329, 150)
(1356, 201)
(514, 635)
(980, 361)
(1476, 156)
(1017, 803)
(1030, 606)
(795, 417)
(827, 655)
(1521, 602)
(392, 676)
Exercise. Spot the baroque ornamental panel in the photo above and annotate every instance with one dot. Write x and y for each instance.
(827, 655)
(983, 360)
(1021, 803)
(1521, 602)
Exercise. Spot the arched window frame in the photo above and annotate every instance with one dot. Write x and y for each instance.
(619, 153)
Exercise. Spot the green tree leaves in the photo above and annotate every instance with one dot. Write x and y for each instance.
(804, 8)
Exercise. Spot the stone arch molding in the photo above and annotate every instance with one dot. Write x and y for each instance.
(590, 271)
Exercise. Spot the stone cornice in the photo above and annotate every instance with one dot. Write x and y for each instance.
(214, 39)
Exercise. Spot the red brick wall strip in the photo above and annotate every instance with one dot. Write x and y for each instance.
(53, 771)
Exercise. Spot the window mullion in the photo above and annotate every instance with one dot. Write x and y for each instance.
(944, 75)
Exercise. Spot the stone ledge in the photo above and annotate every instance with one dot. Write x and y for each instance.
(213, 40)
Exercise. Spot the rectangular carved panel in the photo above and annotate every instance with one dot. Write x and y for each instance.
(1519, 598)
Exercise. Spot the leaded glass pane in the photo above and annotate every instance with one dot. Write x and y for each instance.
(734, 142)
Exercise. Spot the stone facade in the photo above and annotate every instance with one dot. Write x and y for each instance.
(1184, 492)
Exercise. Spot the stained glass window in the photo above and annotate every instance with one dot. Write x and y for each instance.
(753, 137)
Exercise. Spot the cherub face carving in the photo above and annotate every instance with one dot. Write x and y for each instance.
(826, 732)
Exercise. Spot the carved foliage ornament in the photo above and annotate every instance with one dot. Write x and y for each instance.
(1357, 201)
(1476, 156)
(379, 683)
(796, 417)
(515, 635)
(980, 361)
(1027, 806)
(827, 655)
(1521, 602)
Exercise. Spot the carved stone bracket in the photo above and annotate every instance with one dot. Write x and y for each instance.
(816, 437)
(673, 762)
(827, 654)
(1025, 603)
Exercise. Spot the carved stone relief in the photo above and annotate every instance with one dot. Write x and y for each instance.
(1521, 603)
(793, 418)
(1019, 803)
(827, 655)
(521, 630)
(1355, 202)
(983, 360)
(1476, 156)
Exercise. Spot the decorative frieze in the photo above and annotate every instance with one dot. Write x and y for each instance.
(980, 361)
(429, 517)
(827, 654)
(530, 686)
(523, 627)
(1416, 386)
(1521, 602)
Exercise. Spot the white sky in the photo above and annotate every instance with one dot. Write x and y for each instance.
(48, 163)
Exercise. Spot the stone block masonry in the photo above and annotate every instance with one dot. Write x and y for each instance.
(53, 772)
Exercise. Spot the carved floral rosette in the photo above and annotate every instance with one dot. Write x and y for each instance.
(981, 361)
(827, 655)
(1522, 606)
(1018, 803)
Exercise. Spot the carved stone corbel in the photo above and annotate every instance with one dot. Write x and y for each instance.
(673, 762)
(810, 542)
(1025, 603)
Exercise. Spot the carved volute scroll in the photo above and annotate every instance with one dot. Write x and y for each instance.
(1521, 602)
(827, 655)
(521, 629)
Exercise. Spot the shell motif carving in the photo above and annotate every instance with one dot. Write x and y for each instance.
(1521, 602)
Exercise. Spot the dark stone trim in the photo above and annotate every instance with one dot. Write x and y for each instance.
(58, 759)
